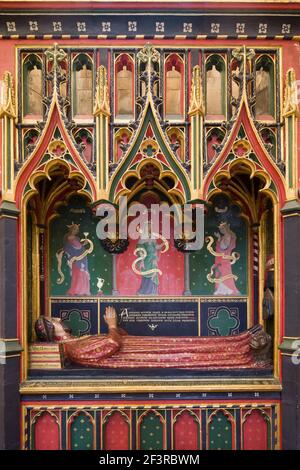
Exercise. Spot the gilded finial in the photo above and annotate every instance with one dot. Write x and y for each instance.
(149, 56)
(7, 99)
(55, 55)
(102, 96)
(196, 100)
(290, 105)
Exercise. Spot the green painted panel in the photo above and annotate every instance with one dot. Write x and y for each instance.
(220, 432)
(97, 264)
(76, 323)
(215, 275)
(223, 322)
(151, 432)
(253, 157)
(241, 133)
(82, 433)
(230, 158)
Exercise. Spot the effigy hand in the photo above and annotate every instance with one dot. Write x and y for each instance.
(110, 317)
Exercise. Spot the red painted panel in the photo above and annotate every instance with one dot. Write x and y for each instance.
(116, 432)
(186, 432)
(46, 432)
(255, 431)
(171, 264)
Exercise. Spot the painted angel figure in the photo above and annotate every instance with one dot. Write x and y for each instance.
(76, 251)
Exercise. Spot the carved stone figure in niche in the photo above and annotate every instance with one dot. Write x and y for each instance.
(173, 93)
(214, 92)
(221, 272)
(117, 350)
(84, 91)
(263, 83)
(76, 251)
(35, 92)
(124, 92)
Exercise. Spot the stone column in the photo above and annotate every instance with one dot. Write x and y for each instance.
(290, 347)
(10, 349)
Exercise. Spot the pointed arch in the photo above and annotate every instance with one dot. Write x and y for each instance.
(81, 431)
(215, 86)
(265, 87)
(186, 430)
(46, 426)
(149, 118)
(135, 180)
(151, 430)
(174, 87)
(116, 431)
(32, 87)
(124, 87)
(221, 430)
(54, 123)
(264, 161)
(256, 428)
(82, 87)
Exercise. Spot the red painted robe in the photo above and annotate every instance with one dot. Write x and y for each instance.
(225, 284)
(80, 276)
(130, 352)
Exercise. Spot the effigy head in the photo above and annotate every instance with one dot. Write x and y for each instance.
(260, 343)
(51, 329)
(260, 339)
(44, 329)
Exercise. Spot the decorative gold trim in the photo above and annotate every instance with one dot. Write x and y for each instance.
(291, 337)
(149, 385)
(4, 216)
(7, 340)
(295, 214)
